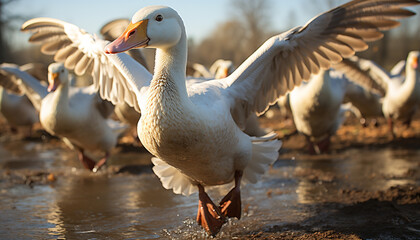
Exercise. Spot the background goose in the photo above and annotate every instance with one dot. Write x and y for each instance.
(77, 115)
(365, 104)
(317, 108)
(14, 104)
(221, 68)
(195, 132)
(198, 70)
(401, 92)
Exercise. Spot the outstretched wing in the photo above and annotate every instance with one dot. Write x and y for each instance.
(113, 29)
(28, 85)
(285, 60)
(121, 77)
(365, 73)
(398, 69)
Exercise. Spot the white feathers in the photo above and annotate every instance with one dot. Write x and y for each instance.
(172, 178)
(265, 152)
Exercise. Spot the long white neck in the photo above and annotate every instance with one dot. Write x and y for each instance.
(61, 96)
(170, 67)
(411, 81)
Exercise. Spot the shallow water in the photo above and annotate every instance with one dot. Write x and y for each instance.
(130, 203)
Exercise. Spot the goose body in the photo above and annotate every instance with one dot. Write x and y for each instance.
(77, 115)
(403, 92)
(17, 109)
(317, 107)
(195, 131)
(71, 113)
(14, 104)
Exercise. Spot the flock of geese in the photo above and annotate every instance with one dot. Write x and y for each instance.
(203, 130)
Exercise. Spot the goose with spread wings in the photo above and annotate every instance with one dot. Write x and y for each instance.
(76, 115)
(195, 131)
(400, 89)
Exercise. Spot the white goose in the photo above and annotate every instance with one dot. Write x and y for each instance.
(14, 105)
(317, 108)
(77, 115)
(401, 92)
(17, 110)
(193, 132)
(221, 68)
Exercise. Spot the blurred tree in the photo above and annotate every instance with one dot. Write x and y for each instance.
(255, 16)
(224, 42)
(238, 37)
(4, 49)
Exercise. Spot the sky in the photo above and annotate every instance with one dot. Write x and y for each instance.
(200, 17)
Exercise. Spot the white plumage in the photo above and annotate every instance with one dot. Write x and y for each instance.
(197, 130)
(400, 89)
(77, 115)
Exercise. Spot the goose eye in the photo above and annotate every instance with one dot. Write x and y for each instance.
(131, 33)
(159, 18)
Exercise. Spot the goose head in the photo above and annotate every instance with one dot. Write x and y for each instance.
(57, 75)
(413, 60)
(151, 27)
(223, 68)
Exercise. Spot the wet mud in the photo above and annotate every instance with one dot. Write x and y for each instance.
(366, 187)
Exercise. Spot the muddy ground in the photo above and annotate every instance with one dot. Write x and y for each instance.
(352, 213)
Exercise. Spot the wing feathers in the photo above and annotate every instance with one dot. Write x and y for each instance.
(285, 60)
(364, 73)
(82, 65)
(73, 59)
(64, 53)
(52, 47)
(84, 53)
(27, 84)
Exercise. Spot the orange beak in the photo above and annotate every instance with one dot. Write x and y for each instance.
(225, 72)
(415, 62)
(53, 82)
(135, 36)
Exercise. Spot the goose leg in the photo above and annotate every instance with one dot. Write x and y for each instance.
(312, 147)
(375, 123)
(324, 144)
(391, 127)
(231, 203)
(208, 215)
(101, 162)
(87, 162)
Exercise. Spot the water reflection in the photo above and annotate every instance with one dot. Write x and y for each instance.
(370, 170)
(133, 205)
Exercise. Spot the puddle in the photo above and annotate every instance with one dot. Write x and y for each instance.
(127, 201)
